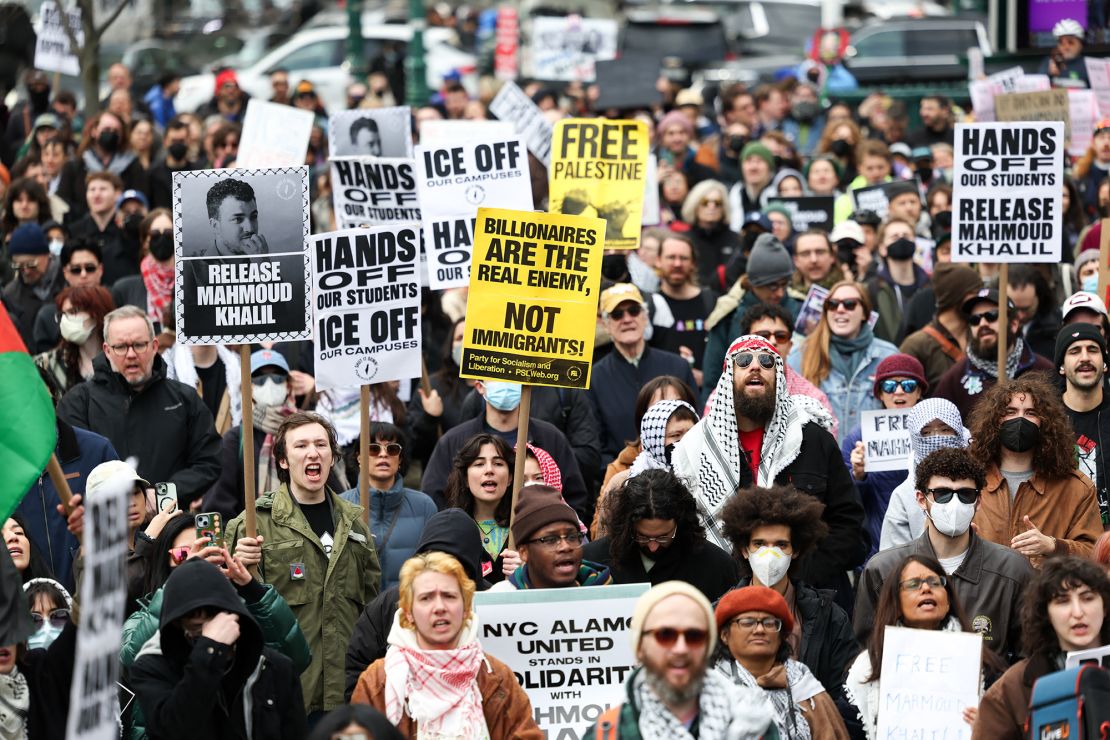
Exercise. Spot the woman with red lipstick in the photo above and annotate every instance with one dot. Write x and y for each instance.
(1065, 610)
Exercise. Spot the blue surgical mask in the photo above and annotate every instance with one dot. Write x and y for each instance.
(456, 354)
(1089, 284)
(502, 396)
(46, 635)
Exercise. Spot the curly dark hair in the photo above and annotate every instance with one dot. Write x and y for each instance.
(889, 610)
(756, 507)
(954, 463)
(1054, 455)
(457, 491)
(764, 311)
(1056, 577)
(653, 494)
(32, 189)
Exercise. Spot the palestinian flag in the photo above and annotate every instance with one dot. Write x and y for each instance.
(27, 430)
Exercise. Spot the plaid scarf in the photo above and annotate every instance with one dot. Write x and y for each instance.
(589, 574)
(437, 688)
(159, 287)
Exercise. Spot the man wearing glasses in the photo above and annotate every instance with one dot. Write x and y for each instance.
(129, 400)
(36, 280)
(988, 578)
(81, 268)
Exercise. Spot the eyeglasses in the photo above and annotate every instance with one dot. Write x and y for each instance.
(89, 267)
(915, 584)
(551, 541)
(832, 304)
(770, 624)
(57, 618)
(634, 310)
(120, 350)
(24, 266)
(263, 378)
(668, 636)
(779, 335)
(944, 495)
(889, 386)
(392, 449)
(766, 361)
(179, 554)
(664, 540)
(989, 316)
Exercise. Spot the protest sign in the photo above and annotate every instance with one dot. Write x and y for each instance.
(241, 267)
(371, 132)
(1083, 113)
(93, 703)
(1010, 80)
(573, 668)
(373, 190)
(600, 168)
(871, 198)
(366, 294)
(929, 678)
(454, 181)
(1098, 73)
(809, 212)
(439, 131)
(567, 47)
(53, 52)
(511, 104)
(809, 315)
(533, 298)
(651, 215)
(1007, 192)
(274, 135)
(886, 440)
(1099, 655)
(1043, 105)
(628, 82)
(505, 63)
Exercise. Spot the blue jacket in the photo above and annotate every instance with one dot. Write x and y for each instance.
(874, 489)
(403, 510)
(78, 452)
(161, 107)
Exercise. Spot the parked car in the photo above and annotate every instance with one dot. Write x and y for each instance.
(914, 49)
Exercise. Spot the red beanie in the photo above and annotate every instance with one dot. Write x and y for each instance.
(900, 366)
(228, 75)
(754, 599)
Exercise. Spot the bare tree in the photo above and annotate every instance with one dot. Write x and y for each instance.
(88, 54)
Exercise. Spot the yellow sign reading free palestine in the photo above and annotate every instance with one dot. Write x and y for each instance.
(532, 306)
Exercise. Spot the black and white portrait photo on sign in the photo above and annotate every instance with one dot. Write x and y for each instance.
(242, 268)
(371, 132)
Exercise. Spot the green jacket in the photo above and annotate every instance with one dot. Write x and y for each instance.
(325, 594)
(279, 629)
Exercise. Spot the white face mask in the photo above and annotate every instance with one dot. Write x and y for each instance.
(769, 564)
(44, 637)
(75, 329)
(56, 247)
(952, 518)
(271, 394)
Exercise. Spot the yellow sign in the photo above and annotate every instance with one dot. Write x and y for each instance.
(532, 307)
(599, 168)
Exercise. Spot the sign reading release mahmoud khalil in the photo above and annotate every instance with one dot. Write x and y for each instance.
(242, 266)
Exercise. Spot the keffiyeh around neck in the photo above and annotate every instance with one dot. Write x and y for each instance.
(990, 367)
(653, 436)
(724, 711)
(15, 702)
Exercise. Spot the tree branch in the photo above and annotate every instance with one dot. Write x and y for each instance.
(111, 18)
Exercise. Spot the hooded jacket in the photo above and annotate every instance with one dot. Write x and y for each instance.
(165, 425)
(203, 688)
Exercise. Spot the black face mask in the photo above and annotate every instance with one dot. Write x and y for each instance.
(840, 148)
(736, 144)
(901, 249)
(131, 225)
(614, 267)
(39, 98)
(925, 172)
(108, 141)
(161, 247)
(1019, 435)
(178, 150)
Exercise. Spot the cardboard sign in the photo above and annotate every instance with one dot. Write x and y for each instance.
(53, 52)
(1007, 192)
(274, 135)
(439, 132)
(93, 703)
(810, 212)
(929, 678)
(366, 293)
(371, 132)
(368, 191)
(241, 267)
(628, 82)
(533, 298)
(1044, 105)
(567, 47)
(886, 440)
(511, 104)
(454, 181)
(569, 648)
(599, 168)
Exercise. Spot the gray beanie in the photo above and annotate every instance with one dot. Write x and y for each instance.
(769, 261)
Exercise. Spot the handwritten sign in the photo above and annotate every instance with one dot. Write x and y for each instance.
(886, 440)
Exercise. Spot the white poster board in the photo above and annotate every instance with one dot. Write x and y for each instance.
(371, 132)
(511, 104)
(1007, 203)
(566, 47)
(440, 131)
(1098, 73)
(366, 299)
(274, 135)
(929, 677)
(368, 191)
(569, 648)
(1098, 655)
(53, 52)
(886, 440)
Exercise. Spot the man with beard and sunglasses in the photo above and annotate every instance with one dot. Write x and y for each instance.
(964, 383)
(1081, 358)
(673, 694)
(757, 434)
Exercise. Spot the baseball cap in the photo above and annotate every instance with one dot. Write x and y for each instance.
(901, 148)
(986, 294)
(113, 471)
(266, 358)
(132, 195)
(618, 294)
(1088, 301)
(847, 230)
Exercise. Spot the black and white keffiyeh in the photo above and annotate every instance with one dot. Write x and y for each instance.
(653, 436)
(724, 711)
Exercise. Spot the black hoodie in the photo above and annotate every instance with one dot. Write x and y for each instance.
(451, 531)
(195, 688)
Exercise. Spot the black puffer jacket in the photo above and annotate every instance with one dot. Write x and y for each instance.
(190, 689)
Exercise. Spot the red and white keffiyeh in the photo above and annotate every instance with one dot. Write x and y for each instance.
(159, 287)
(437, 688)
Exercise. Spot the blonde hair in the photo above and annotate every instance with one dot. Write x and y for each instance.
(697, 194)
(431, 562)
(816, 362)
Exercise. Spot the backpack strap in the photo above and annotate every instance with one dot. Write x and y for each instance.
(946, 345)
(608, 723)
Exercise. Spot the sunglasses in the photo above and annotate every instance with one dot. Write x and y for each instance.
(261, 380)
(634, 310)
(668, 636)
(392, 449)
(766, 361)
(57, 618)
(89, 267)
(155, 233)
(889, 386)
(179, 554)
(833, 304)
(944, 495)
(989, 316)
(779, 335)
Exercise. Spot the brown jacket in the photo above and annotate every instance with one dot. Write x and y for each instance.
(1065, 508)
(1005, 706)
(504, 703)
(923, 345)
